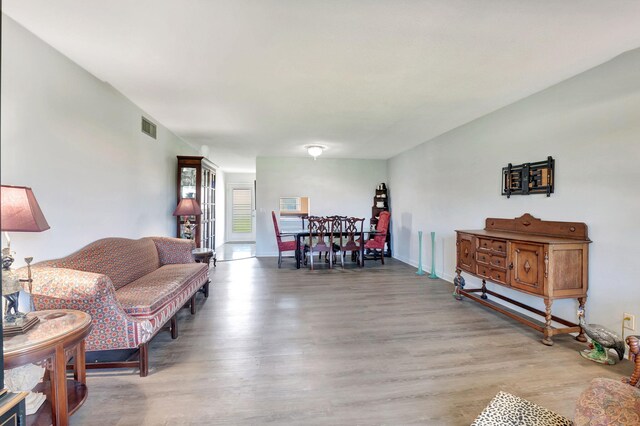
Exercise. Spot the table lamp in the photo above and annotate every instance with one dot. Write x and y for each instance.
(20, 213)
(188, 207)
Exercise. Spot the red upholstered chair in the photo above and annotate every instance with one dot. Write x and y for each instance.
(282, 245)
(380, 237)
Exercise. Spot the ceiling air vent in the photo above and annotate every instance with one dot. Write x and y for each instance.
(148, 128)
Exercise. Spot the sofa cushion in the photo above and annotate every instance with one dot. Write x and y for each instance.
(174, 250)
(608, 402)
(148, 294)
(121, 259)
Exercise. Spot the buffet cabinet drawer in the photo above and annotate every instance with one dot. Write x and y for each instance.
(484, 258)
(493, 246)
(499, 261)
(499, 246)
(493, 274)
(483, 270)
(485, 243)
(498, 276)
(492, 260)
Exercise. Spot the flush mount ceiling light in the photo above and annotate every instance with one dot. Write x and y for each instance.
(315, 150)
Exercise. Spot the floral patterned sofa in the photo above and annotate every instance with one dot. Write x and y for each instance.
(131, 289)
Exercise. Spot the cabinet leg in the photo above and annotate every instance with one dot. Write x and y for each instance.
(581, 301)
(548, 331)
(484, 290)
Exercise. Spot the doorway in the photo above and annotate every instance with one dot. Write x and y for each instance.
(241, 222)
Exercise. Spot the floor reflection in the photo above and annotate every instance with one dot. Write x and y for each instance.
(235, 251)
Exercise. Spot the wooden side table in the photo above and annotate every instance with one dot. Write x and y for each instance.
(203, 255)
(57, 337)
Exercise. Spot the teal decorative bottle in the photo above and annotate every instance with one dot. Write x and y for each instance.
(420, 271)
(433, 275)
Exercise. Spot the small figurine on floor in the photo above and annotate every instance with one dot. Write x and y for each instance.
(458, 282)
(602, 340)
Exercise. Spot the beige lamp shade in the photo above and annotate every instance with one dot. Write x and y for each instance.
(20, 210)
(187, 207)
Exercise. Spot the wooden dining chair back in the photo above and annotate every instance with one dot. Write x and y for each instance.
(377, 242)
(319, 237)
(336, 236)
(282, 245)
(352, 238)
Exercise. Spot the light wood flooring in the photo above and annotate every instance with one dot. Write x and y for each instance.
(369, 346)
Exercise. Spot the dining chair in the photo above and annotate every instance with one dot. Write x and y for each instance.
(318, 241)
(379, 239)
(282, 245)
(335, 236)
(351, 238)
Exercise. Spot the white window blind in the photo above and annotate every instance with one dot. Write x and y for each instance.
(241, 211)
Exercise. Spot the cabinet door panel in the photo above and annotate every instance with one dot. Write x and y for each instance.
(466, 252)
(528, 267)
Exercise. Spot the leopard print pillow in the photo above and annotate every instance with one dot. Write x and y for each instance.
(509, 410)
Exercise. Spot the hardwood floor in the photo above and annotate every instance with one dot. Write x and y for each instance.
(369, 346)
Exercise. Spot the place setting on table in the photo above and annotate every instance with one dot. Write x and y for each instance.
(334, 236)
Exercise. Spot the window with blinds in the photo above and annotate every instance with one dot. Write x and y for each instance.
(290, 205)
(241, 211)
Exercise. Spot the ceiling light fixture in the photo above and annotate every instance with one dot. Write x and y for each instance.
(315, 150)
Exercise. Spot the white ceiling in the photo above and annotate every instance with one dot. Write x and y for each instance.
(369, 79)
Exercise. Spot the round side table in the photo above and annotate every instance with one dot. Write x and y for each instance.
(57, 337)
(203, 255)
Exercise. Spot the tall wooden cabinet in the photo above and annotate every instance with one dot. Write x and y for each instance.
(197, 179)
(381, 204)
(540, 258)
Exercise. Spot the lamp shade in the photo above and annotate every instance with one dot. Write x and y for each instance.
(187, 207)
(20, 210)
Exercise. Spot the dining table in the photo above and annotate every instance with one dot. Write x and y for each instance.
(303, 233)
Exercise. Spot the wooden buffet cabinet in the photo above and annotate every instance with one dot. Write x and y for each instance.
(541, 258)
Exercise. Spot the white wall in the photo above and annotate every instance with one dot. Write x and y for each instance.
(241, 178)
(334, 187)
(591, 125)
(77, 142)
